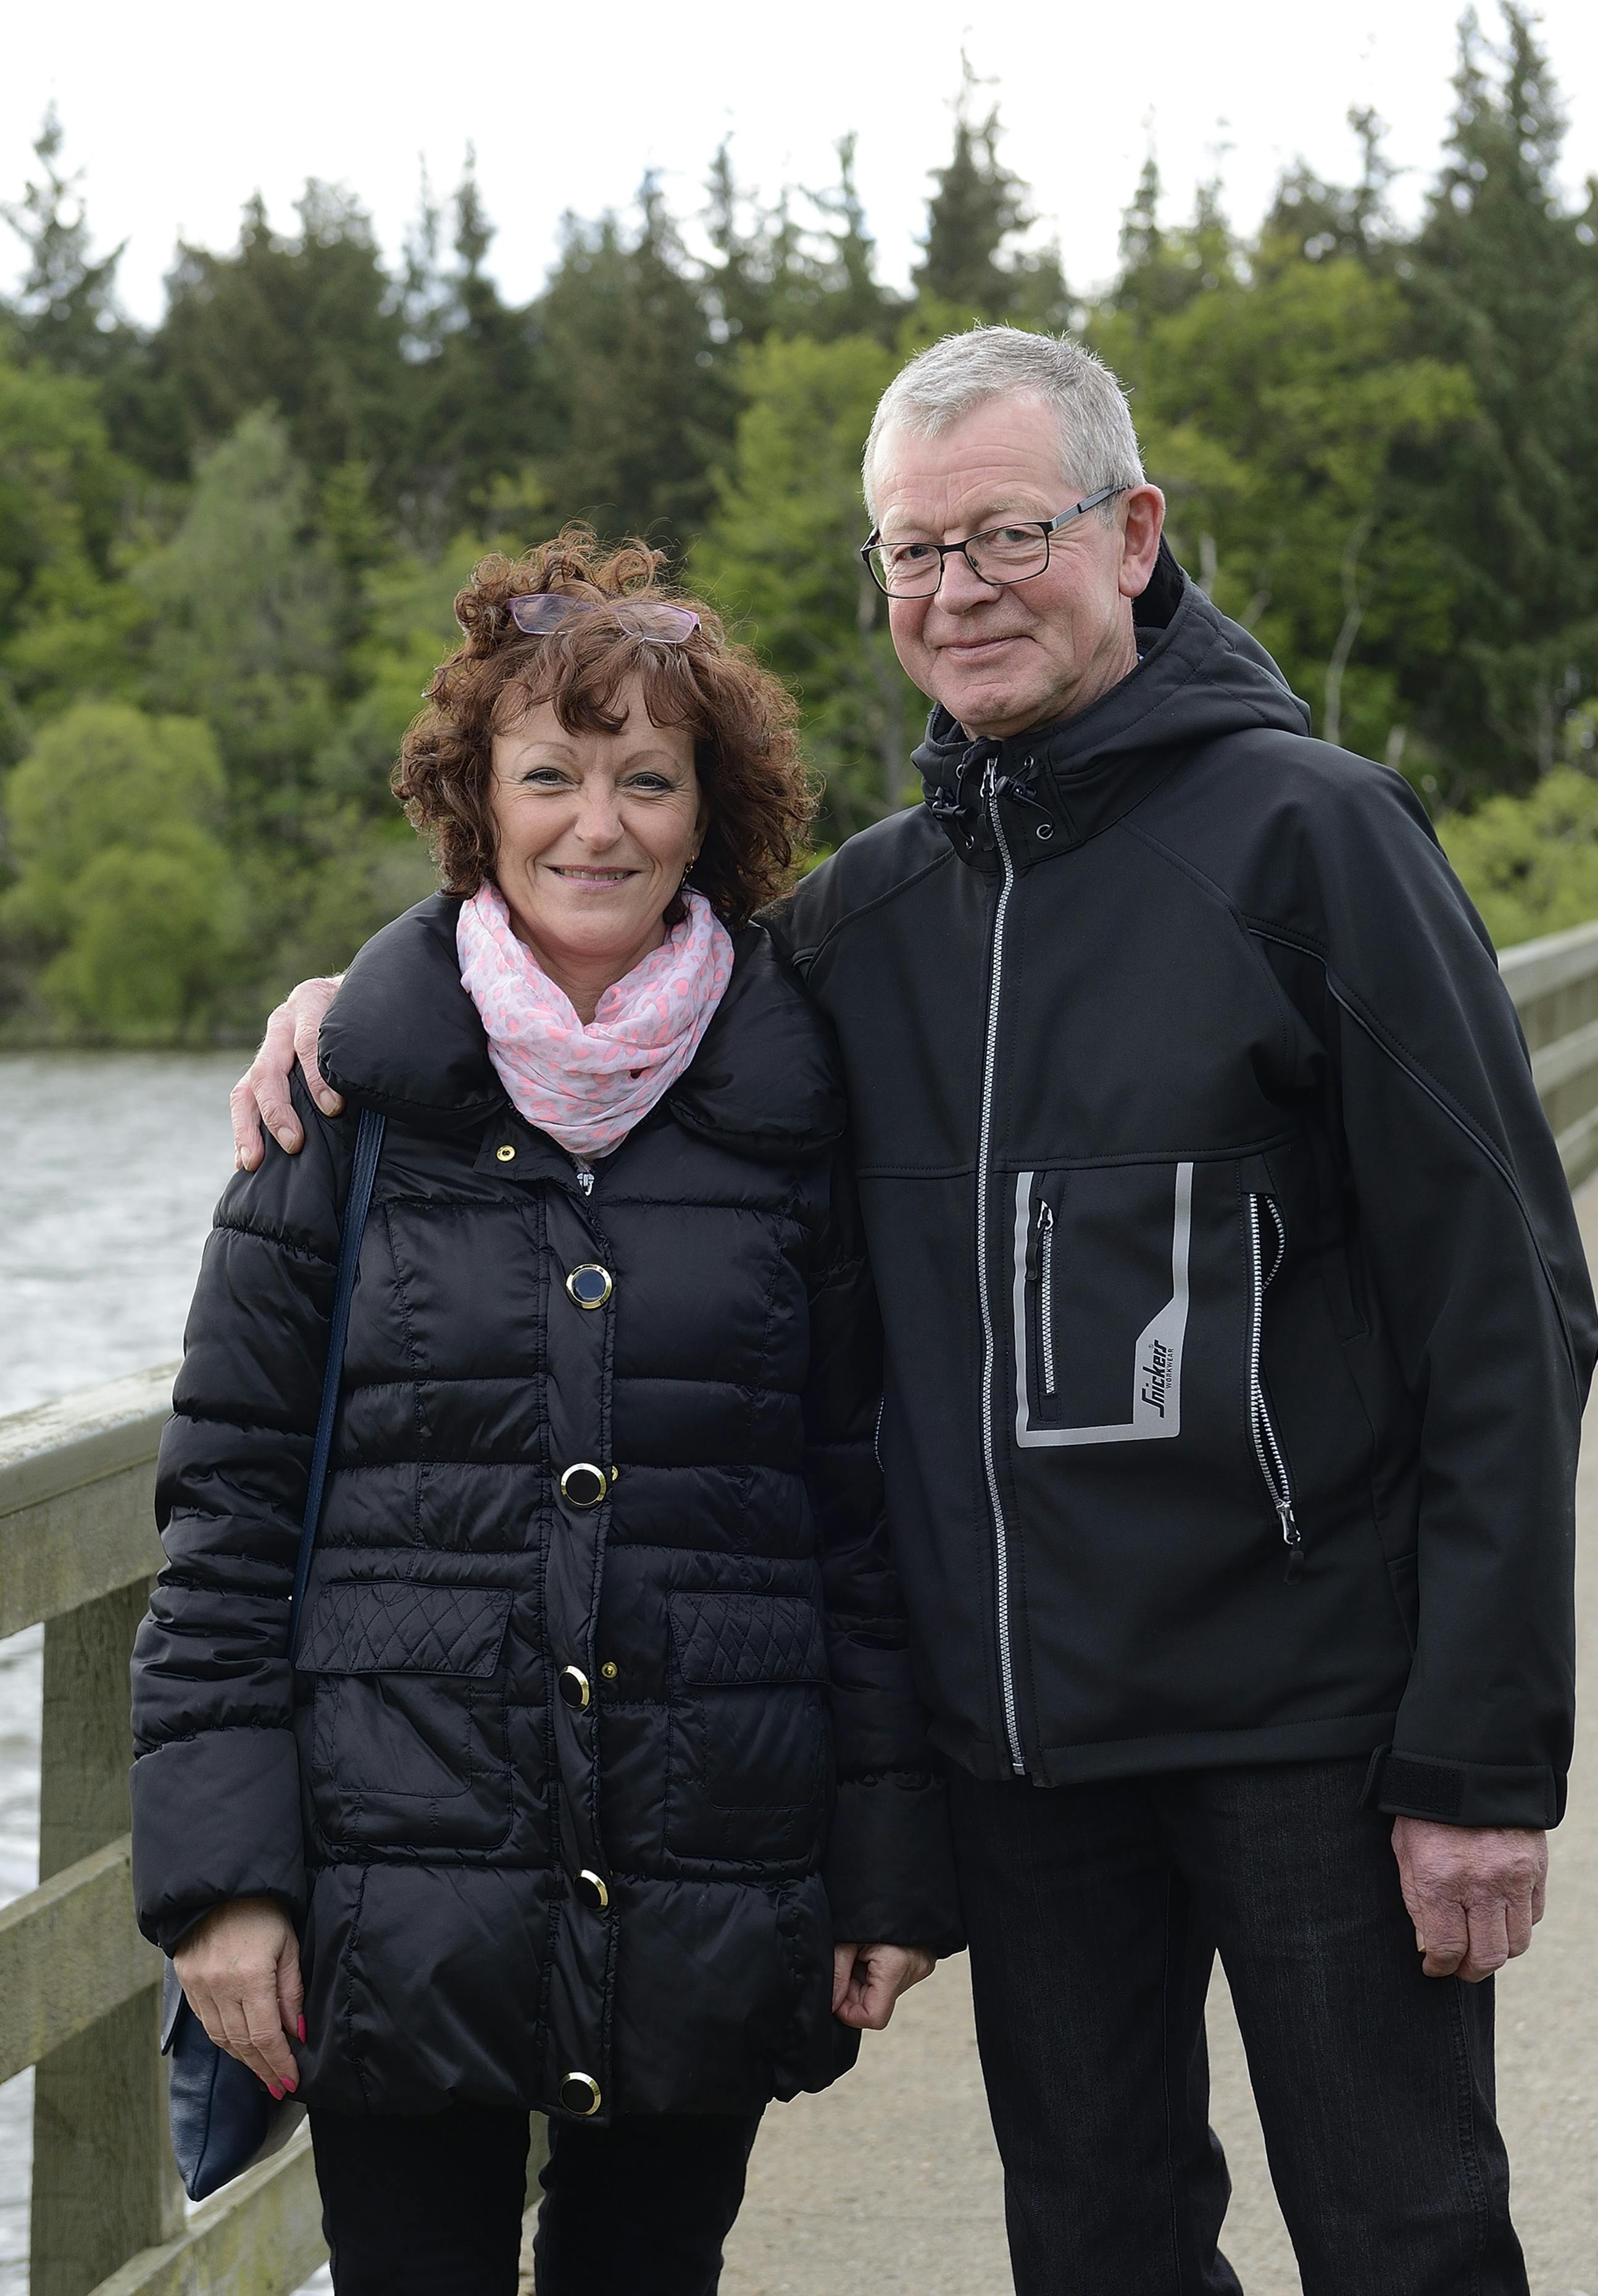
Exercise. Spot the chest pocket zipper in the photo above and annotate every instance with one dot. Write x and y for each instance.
(1046, 1295)
(1267, 1450)
(1040, 1275)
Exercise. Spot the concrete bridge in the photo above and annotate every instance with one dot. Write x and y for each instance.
(889, 2185)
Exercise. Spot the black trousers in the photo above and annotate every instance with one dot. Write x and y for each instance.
(432, 2206)
(1095, 1914)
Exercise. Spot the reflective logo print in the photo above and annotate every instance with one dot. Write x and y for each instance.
(1156, 1368)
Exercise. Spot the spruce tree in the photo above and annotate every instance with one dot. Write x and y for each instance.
(978, 209)
(640, 399)
(1505, 280)
(1161, 271)
(853, 301)
(1311, 219)
(307, 322)
(65, 312)
(480, 412)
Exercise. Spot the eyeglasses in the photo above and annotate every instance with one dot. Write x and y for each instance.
(1000, 553)
(539, 612)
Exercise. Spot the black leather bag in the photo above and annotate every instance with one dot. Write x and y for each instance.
(222, 2119)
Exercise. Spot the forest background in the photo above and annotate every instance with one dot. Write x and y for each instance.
(229, 543)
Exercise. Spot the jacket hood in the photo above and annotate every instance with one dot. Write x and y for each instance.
(403, 1038)
(1201, 677)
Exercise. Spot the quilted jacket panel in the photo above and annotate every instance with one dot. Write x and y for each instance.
(362, 1627)
(724, 1639)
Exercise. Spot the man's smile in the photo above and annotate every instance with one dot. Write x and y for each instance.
(975, 650)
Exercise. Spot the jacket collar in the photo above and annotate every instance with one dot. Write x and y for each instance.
(403, 1037)
(1198, 677)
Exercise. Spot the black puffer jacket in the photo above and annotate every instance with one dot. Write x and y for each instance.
(1238, 1324)
(501, 1691)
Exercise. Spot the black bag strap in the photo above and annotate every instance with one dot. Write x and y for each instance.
(368, 1147)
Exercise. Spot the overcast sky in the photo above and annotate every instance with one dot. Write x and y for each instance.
(179, 111)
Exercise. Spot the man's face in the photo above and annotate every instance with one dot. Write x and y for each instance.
(1001, 659)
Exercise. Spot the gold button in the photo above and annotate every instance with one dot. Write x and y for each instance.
(585, 1485)
(572, 1683)
(590, 1285)
(580, 2093)
(507, 1154)
(592, 1891)
(609, 1670)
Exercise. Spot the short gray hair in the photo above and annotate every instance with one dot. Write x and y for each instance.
(1098, 445)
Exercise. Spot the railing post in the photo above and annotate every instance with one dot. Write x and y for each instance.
(105, 2183)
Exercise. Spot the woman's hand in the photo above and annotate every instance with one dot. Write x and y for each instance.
(261, 1094)
(867, 1980)
(240, 1969)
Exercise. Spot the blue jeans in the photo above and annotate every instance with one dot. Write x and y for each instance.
(1095, 1914)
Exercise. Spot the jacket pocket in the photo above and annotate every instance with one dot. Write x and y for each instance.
(408, 1740)
(1100, 1304)
(1267, 1249)
(749, 1765)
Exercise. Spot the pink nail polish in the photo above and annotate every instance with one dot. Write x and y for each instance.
(276, 2093)
(301, 2029)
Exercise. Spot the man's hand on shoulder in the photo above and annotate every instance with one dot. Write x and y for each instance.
(261, 1094)
(1474, 1892)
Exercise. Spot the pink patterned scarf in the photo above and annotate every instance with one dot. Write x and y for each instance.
(588, 1086)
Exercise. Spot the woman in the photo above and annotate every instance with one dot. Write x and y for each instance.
(597, 1785)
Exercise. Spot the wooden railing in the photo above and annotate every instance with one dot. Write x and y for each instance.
(1555, 983)
(79, 1986)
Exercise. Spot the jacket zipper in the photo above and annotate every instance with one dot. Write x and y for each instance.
(1040, 1274)
(1046, 1295)
(984, 1149)
(1267, 1450)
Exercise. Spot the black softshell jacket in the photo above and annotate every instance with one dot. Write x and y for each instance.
(1238, 1324)
(553, 1786)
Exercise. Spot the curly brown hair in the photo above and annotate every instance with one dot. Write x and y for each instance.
(741, 719)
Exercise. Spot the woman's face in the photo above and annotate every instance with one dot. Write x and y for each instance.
(594, 833)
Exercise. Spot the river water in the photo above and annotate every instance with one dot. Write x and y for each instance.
(110, 1165)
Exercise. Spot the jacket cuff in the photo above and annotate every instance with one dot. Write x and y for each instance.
(889, 1869)
(214, 1817)
(1464, 1793)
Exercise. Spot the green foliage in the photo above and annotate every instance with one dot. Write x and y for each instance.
(1530, 863)
(304, 324)
(978, 209)
(65, 309)
(1379, 446)
(349, 875)
(64, 626)
(780, 552)
(1503, 280)
(774, 276)
(153, 938)
(633, 457)
(409, 626)
(244, 601)
(123, 894)
(476, 378)
(1275, 413)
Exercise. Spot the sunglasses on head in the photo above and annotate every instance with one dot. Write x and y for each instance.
(539, 612)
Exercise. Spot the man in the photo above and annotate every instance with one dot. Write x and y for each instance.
(1238, 1332)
